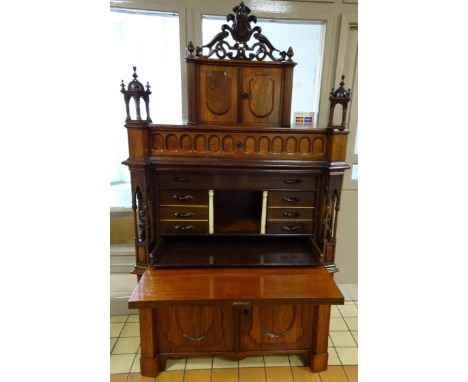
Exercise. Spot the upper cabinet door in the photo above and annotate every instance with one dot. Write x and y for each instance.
(261, 95)
(218, 94)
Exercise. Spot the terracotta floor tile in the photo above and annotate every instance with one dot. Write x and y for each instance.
(126, 345)
(176, 364)
(131, 330)
(118, 377)
(225, 375)
(170, 376)
(296, 360)
(137, 377)
(256, 361)
(304, 374)
(194, 363)
(278, 374)
(223, 363)
(276, 360)
(337, 323)
(197, 376)
(341, 339)
(121, 363)
(348, 356)
(121, 318)
(116, 328)
(252, 374)
(351, 372)
(333, 374)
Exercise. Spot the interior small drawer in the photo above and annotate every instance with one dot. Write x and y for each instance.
(183, 227)
(291, 198)
(289, 227)
(183, 213)
(183, 197)
(290, 213)
(183, 180)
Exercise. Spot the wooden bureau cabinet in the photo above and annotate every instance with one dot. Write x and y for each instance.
(239, 92)
(235, 215)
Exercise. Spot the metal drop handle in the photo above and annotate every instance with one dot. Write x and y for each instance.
(291, 199)
(290, 228)
(291, 214)
(184, 227)
(184, 214)
(182, 197)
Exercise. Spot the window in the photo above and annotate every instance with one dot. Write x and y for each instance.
(150, 41)
(307, 41)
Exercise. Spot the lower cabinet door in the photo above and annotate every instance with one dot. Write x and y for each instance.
(276, 327)
(198, 328)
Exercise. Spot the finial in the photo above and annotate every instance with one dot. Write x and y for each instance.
(122, 85)
(342, 80)
(148, 86)
(190, 48)
(134, 73)
(290, 53)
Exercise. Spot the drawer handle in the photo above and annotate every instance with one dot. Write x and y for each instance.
(182, 197)
(290, 228)
(292, 181)
(291, 199)
(182, 178)
(239, 144)
(245, 95)
(184, 214)
(291, 214)
(184, 227)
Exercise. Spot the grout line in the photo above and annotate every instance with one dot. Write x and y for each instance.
(264, 369)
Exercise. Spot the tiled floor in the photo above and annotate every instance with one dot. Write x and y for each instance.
(343, 359)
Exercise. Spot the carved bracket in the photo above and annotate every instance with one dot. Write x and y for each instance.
(241, 32)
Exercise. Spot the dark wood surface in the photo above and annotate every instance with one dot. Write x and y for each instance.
(159, 287)
(235, 251)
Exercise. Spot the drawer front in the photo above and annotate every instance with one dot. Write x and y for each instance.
(291, 199)
(290, 213)
(183, 213)
(183, 197)
(289, 227)
(183, 227)
(253, 181)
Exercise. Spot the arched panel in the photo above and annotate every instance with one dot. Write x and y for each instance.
(214, 143)
(171, 142)
(261, 95)
(277, 145)
(158, 142)
(317, 146)
(186, 142)
(291, 145)
(200, 143)
(249, 145)
(263, 145)
(228, 144)
(304, 145)
(218, 85)
(195, 323)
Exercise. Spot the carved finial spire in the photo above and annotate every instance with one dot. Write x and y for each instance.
(135, 76)
(290, 53)
(136, 91)
(341, 92)
(190, 48)
(122, 87)
(339, 96)
(148, 87)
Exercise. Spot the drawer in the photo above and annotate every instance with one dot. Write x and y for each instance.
(183, 197)
(236, 180)
(184, 227)
(289, 227)
(291, 198)
(183, 213)
(290, 213)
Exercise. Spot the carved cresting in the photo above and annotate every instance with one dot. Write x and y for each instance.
(241, 31)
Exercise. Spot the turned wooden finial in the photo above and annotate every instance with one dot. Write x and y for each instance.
(339, 96)
(190, 49)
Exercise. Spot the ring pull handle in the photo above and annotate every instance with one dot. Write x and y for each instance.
(245, 95)
(291, 214)
(290, 228)
(182, 178)
(182, 197)
(184, 214)
(292, 181)
(291, 199)
(184, 227)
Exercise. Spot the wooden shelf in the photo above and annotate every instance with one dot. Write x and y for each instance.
(259, 251)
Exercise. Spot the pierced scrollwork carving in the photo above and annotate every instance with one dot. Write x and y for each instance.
(138, 209)
(241, 31)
